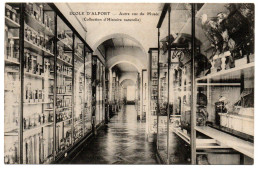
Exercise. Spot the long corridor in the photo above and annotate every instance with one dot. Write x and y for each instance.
(122, 141)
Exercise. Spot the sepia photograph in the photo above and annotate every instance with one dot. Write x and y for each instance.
(94, 83)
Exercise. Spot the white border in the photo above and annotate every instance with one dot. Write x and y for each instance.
(115, 167)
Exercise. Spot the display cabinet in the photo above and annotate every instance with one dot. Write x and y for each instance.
(88, 91)
(12, 86)
(163, 94)
(153, 90)
(44, 80)
(203, 73)
(225, 96)
(78, 118)
(144, 91)
(138, 96)
(65, 87)
(38, 83)
(98, 93)
(98, 86)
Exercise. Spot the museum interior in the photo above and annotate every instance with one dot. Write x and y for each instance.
(174, 86)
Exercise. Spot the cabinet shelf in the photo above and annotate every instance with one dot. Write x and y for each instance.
(37, 49)
(202, 143)
(65, 120)
(230, 74)
(79, 57)
(240, 145)
(218, 84)
(11, 62)
(35, 103)
(64, 94)
(65, 62)
(64, 75)
(62, 43)
(65, 107)
(31, 130)
(13, 132)
(38, 26)
(10, 23)
(33, 75)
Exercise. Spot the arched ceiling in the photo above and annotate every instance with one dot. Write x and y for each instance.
(127, 75)
(126, 67)
(127, 82)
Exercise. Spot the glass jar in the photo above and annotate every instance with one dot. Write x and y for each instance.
(38, 39)
(46, 39)
(33, 37)
(14, 15)
(46, 20)
(16, 52)
(11, 48)
(8, 13)
(41, 39)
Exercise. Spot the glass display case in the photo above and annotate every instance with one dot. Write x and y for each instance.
(38, 83)
(180, 85)
(42, 74)
(162, 133)
(98, 87)
(88, 92)
(206, 67)
(224, 102)
(12, 86)
(65, 87)
(102, 96)
(78, 117)
(100, 112)
(153, 90)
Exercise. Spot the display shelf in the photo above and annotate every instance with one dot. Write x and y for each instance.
(35, 103)
(33, 75)
(62, 43)
(79, 57)
(38, 26)
(11, 70)
(64, 94)
(65, 107)
(218, 84)
(11, 62)
(36, 49)
(230, 74)
(64, 121)
(65, 62)
(182, 135)
(10, 23)
(13, 132)
(31, 130)
(237, 144)
(202, 143)
(48, 109)
(64, 75)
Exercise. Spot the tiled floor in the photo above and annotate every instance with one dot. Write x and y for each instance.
(122, 141)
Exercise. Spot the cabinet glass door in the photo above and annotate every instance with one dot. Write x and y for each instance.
(153, 87)
(180, 85)
(64, 89)
(98, 118)
(12, 87)
(78, 89)
(88, 92)
(38, 99)
(163, 90)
